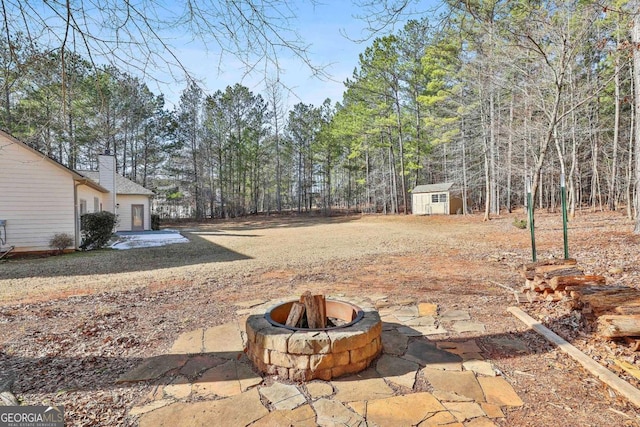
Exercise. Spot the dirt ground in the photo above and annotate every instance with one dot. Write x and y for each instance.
(71, 324)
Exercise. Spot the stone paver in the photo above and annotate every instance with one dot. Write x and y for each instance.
(443, 418)
(454, 315)
(421, 321)
(498, 391)
(319, 389)
(151, 406)
(492, 410)
(464, 411)
(407, 410)
(399, 371)
(480, 422)
(228, 379)
(283, 396)
(393, 342)
(179, 388)
(459, 347)
(153, 368)
(408, 311)
(426, 353)
(468, 326)
(223, 340)
(367, 385)
(461, 383)
(299, 417)
(479, 367)
(331, 413)
(208, 413)
(427, 309)
(210, 364)
(359, 408)
(188, 343)
(199, 363)
(449, 396)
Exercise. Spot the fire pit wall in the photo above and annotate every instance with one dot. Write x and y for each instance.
(303, 355)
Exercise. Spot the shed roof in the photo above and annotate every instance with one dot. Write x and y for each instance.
(433, 188)
(123, 185)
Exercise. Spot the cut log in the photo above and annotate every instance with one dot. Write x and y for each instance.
(316, 308)
(534, 265)
(553, 297)
(619, 325)
(559, 283)
(607, 300)
(521, 297)
(295, 315)
(590, 290)
(558, 271)
(533, 297)
(627, 309)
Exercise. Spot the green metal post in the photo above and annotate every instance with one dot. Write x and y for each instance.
(531, 224)
(564, 216)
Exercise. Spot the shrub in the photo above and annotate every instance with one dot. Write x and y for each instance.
(61, 241)
(97, 229)
(520, 223)
(155, 222)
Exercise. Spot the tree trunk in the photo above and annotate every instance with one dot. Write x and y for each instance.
(635, 38)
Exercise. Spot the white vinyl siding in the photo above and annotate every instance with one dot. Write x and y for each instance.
(88, 193)
(430, 204)
(36, 198)
(124, 202)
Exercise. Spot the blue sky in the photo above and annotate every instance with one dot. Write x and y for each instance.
(321, 26)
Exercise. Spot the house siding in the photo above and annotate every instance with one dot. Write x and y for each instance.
(88, 194)
(36, 198)
(124, 210)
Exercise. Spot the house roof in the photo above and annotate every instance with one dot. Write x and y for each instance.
(123, 185)
(433, 188)
(76, 176)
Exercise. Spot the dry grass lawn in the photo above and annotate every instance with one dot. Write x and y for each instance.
(85, 318)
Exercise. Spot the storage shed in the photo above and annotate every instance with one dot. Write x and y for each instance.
(435, 199)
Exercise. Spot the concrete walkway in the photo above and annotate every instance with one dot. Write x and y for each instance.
(206, 380)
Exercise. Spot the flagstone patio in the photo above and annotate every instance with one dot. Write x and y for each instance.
(206, 379)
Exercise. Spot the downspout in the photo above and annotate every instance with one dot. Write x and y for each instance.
(76, 219)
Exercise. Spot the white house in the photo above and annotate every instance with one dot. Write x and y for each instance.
(40, 197)
(434, 199)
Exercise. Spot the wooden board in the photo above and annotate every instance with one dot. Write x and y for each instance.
(612, 380)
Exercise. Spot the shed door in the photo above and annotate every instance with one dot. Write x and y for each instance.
(137, 217)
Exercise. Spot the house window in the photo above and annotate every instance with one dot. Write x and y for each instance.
(83, 206)
(439, 198)
(96, 204)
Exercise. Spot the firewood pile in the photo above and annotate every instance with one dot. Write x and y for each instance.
(615, 309)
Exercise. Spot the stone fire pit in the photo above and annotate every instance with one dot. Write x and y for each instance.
(302, 354)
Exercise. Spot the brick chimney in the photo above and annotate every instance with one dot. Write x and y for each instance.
(107, 177)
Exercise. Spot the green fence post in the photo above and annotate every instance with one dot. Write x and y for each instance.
(564, 216)
(531, 224)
